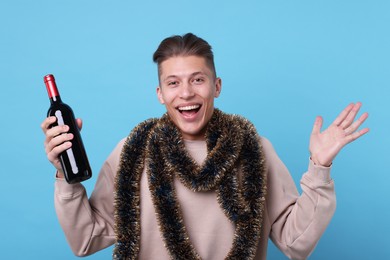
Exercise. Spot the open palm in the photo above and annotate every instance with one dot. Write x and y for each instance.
(324, 146)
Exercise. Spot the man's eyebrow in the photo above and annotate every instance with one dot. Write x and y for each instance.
(191, 75)
(198, 73)
(170, 76)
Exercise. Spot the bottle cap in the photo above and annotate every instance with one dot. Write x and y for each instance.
(51, 86)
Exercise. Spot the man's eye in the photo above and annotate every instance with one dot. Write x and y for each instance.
(198, 80)
(173, 83)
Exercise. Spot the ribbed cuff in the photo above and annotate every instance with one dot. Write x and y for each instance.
(65, 189)
(321, 173)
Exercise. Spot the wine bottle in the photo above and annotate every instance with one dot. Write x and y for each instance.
(74, 161)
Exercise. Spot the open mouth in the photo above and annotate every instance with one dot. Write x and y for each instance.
(189, 110)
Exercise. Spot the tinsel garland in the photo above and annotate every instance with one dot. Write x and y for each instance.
(232, 143)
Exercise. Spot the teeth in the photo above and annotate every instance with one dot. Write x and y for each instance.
(189, 107)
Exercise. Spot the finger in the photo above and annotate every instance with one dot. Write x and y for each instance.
(343, 115)
(56, 141)
(351, 116)
(47, 123)
(55, 131)
(52, 133)
(56, 151)
(317, 125)
(352, 128)
(357, 134)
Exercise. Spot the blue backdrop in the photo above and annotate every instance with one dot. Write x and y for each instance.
(281, 62)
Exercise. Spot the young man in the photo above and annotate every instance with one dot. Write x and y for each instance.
(198, 183)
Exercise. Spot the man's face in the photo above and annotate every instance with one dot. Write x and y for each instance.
(187, 89)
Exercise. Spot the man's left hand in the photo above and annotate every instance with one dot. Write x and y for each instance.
(324, 146)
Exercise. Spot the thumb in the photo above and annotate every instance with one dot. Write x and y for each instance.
(79, 123)
(317, 125)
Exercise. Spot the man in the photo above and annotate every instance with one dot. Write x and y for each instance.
(198, 183)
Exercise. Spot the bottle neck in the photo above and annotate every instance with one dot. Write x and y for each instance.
(55, 99)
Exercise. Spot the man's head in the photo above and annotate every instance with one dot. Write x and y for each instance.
(187, 83)
(186, 45)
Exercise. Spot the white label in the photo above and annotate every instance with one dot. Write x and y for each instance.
(69, 151)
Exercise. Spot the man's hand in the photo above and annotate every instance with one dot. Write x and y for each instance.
(57, 141)
(326, 145)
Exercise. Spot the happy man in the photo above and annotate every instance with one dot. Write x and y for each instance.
(198, 183)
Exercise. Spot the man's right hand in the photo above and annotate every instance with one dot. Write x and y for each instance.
(57, 141)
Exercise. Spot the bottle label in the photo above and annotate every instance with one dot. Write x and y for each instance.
(69, 152)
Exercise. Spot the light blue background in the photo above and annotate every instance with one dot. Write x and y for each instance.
(282, 63)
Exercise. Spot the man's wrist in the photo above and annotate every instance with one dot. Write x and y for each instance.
(317, 163)
(60, 174)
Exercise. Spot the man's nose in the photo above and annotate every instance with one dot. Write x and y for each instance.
(186, 91)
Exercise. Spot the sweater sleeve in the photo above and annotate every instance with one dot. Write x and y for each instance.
(297, 221)
(88, 224)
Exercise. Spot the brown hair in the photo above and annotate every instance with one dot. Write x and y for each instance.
(186, 45)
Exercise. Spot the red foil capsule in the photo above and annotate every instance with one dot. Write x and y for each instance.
(51, 86)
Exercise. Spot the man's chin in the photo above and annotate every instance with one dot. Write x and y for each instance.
(192, 133)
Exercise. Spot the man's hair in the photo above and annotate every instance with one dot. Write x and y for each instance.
(186, 45)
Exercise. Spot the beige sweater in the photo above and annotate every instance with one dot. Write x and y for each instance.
(294, 223)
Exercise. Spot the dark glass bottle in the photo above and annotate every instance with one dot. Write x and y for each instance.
(74, 161)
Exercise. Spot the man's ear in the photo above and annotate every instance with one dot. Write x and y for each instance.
(218, 87)
(159, 95)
